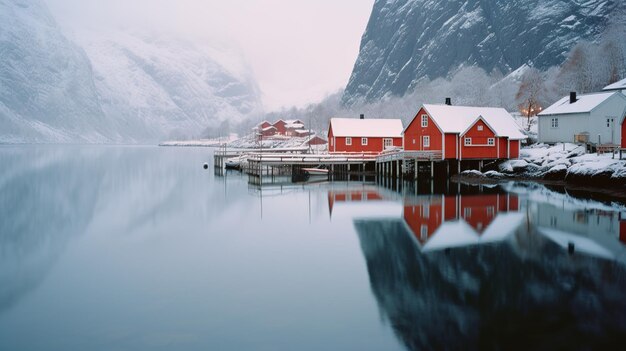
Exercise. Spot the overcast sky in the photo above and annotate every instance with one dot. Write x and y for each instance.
(299, 50)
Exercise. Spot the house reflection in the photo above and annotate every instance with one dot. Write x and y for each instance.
(477, 271)
(443, 221)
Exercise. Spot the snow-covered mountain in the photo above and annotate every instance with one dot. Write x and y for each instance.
(166, 86)
(111, 87)
(407, 40)
(46, 87)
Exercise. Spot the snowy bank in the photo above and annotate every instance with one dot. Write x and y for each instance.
(561, 162)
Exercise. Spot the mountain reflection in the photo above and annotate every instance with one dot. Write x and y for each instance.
(516, 269)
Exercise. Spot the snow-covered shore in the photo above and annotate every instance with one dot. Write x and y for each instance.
(561, 162)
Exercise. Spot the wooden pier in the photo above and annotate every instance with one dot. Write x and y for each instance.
(395, 164)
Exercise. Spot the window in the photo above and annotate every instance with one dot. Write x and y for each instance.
(414, 141)
(555, 122)
(364, 141)
(331, 141)
(423, 232)
(424, 121)
(467, 212)
(468, 141)
(425, 212)
(491, 141)
(388, 142)
(348, 141)
(609, 121)
(426, 140)
(480, 128)
(491, 211)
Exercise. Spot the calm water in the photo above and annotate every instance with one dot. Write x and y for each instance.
(139, 248)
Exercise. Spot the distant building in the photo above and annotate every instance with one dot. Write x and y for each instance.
(316, 140)
(362, 135)
(462, 133)
(596, 118)
(290, 128)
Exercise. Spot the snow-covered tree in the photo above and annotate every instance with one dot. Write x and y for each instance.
(530, 93)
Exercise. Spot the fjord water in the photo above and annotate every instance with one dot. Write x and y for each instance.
(140, 248)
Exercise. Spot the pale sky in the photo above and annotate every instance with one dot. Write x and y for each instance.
(299, 50)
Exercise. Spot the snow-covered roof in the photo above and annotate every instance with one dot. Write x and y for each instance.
(293, 121)
(266, 121)
(458, 119)
(268, 128)
(372, 128)
(301, 131)
(459, 233)
(620, 85)
(294, 126)
(584, 104)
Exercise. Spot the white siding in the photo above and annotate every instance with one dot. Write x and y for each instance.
(569, 125)
(614, 108)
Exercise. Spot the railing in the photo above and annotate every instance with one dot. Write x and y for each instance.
(240, 152)
(311, 158)
(607, 148)
(401, 155)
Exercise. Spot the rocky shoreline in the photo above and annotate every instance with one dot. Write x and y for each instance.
(565, 167)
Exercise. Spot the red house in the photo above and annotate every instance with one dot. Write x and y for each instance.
(363, 135)
(464, 133)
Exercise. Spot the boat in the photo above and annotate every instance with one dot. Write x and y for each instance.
(315, 171)
(233, 163)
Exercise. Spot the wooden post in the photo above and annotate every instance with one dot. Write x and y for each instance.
(432, 170)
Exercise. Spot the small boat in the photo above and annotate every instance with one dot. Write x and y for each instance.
(233, 163)
(315, 171)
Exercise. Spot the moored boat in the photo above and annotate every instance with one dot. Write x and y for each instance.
(316, 171)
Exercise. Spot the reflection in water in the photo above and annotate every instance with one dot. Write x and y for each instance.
(488, 271)
(53, 194)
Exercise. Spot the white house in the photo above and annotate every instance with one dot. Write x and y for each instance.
(597, 118)
(617, 86)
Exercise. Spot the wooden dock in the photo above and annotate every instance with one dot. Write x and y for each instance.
(394, 164)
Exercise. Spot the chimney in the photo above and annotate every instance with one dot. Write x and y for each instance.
(362, 116)
(449, 101)
(572, 97)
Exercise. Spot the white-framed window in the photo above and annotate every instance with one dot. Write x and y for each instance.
(426, 140)
(364, 141)
(468, 141)
(331, 141)
(467, 212)
(414, 141)
(424, 121)
(491, 211)
(348, 141)
(425, 211)
(555, 122)
(609, 121)
(480, 128)
(424, 232)
(491, 141)
(387, 143)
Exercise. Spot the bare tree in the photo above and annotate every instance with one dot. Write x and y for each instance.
(529, 94)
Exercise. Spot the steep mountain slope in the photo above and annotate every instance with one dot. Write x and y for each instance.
(166, 87)
(46, 87)
(407, 40)
(117, 88)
